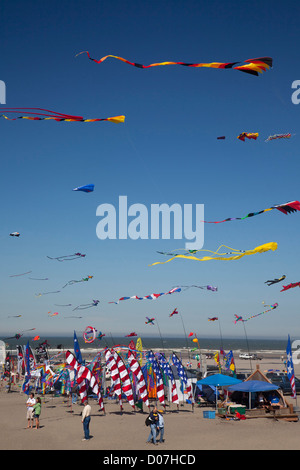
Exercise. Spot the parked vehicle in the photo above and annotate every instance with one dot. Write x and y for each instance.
(250, 356)
(283, 383)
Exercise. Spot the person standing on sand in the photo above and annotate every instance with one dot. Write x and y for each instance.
(30, 404)
(37, 411)
(86, 419)
(160, 427)
(153, 416)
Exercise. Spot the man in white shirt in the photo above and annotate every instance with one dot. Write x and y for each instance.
(86, 418)
(30, 403)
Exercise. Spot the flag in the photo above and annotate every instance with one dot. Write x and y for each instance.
(168, 372)
(114, 373)
(158, 375)
(77, 349)
(290, 368)
(137, 371)
(25, 386)
(84, 379)
(183, 376)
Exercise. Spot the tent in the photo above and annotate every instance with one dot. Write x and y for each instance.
(253, 386)
(218, 380)
(250, 386)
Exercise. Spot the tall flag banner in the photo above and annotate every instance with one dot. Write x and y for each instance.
(229, 362)
(21, 363)
(217, 359)
(77, 349)
(137, 371)
(168, 372)
(25, 386)
(114, 373)
(183, 377)
(290, 368)
(84, 377)
(159, 379)
(139, 348)
(125, 380)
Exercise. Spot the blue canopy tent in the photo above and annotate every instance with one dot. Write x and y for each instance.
(218, 380)
(254, 386)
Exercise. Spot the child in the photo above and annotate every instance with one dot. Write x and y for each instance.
(37, 411)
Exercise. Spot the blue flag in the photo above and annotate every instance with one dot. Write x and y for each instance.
(25, 386)
(77, 351)
(290, 367)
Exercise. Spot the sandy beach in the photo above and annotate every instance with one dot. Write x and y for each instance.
(185, 430)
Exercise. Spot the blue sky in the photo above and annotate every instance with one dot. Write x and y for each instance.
(166, 152)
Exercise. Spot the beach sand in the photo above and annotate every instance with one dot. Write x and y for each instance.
(185, 430)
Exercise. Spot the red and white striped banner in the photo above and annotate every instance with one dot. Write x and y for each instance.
(84, 377)
(137, 371)
(125, 380)
(114, 373)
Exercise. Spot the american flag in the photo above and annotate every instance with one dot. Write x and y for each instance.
(290, 368)
(168, 372)
(183, 376)
(159, 379)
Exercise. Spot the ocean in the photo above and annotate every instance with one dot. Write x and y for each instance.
(159, 344)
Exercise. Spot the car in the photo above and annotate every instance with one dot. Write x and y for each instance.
(283, 383)
(250, 356)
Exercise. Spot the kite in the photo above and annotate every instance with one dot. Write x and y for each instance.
(14, 234)
(272, 307)
(88, 188)
(290, 286)
(68, 257)
(150, 321)
(249, 135)
(53, 314)
(39, 279)
(100, 335)
(89, 334)
(22, 274)
(238, 254)
(14, 316)
(36, 338)
(73, 316)
(222, 137)
(175, 312)
(212, 288)
(278, 136)
(48, 114)
(213, 319)
(131, 334)
(252, 66)
(85, 306)
(18, 335)
(238, 318)
(148, 297)
(286, 208)
(274, 281)
(84, 279)
(46, 293)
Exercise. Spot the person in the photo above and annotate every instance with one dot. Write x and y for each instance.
(30, 403)
(37, 411)
(153, 426)
(86, 419)
(262, 402)
(160, 430)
